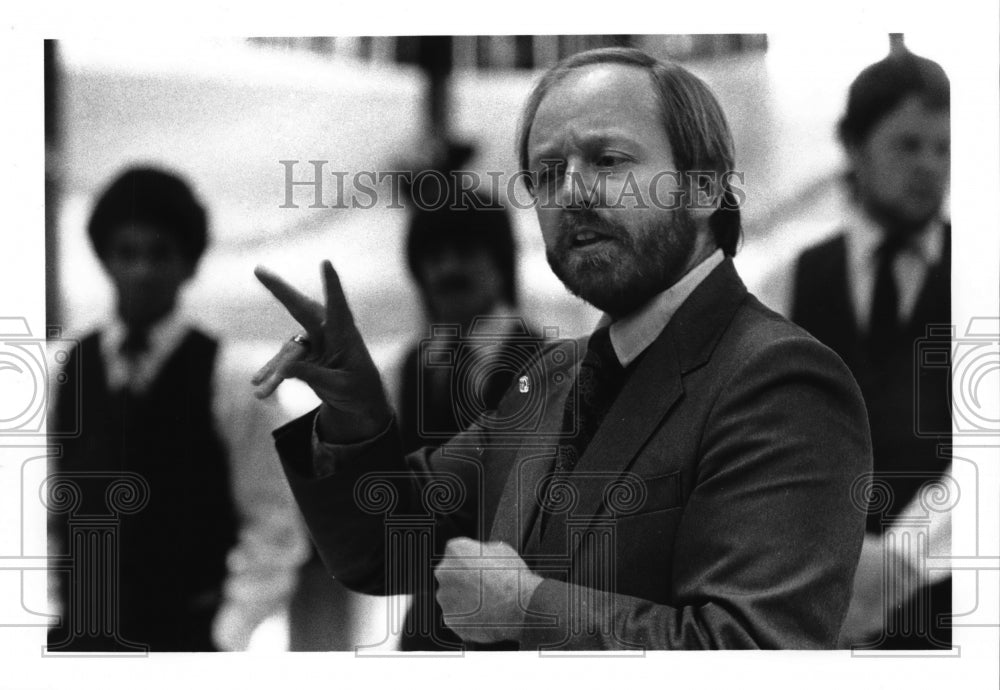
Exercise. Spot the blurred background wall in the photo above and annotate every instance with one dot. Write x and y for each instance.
(224, 113)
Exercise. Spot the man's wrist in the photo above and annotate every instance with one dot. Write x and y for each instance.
(341, 428)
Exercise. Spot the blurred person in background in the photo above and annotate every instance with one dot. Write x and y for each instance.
(214, 551)
(870, 292)
(463, 261)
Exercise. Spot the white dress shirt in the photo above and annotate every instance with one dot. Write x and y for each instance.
(631, 335)
(910, 267)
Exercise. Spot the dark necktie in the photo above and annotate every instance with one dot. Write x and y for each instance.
(135, 343)
(598, 382)
(884, 326)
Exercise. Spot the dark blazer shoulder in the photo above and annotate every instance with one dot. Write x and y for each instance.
(756, 331)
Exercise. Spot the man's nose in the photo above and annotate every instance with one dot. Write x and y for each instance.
(578, 187)
(451, 259)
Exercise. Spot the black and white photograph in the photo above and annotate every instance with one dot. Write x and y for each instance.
(436, 345)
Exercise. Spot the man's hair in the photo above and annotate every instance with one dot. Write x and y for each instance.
(883, 86)
(695, 124)
(481, 224)
(151, 197)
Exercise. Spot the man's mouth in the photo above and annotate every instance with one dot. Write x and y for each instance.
(581, 239)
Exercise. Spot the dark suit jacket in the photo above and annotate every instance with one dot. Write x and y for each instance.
(712, 509)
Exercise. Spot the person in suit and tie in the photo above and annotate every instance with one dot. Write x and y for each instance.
(871, 292)
(684, 483)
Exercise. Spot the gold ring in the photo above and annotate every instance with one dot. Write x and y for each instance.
(301, 340)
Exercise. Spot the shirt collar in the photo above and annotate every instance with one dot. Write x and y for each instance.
(866, 236)
(500, 322)
(164, 332)
(164, 337)
(631, 335)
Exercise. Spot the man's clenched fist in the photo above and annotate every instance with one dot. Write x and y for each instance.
(484, 589)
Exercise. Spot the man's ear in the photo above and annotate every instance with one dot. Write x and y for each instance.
(705, 193)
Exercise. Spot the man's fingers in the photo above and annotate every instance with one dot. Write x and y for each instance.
(338, 313)
(269, 377)
(288, 351)
(462, 546)
(326, 382)
(307, 312)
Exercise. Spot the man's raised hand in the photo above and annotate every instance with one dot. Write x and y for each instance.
(335, 363)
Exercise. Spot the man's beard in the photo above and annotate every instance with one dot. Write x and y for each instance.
(632, 269)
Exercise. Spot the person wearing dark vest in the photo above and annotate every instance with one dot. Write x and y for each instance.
(873, 292)
(463, 262)
(209, 546)
(462, 258)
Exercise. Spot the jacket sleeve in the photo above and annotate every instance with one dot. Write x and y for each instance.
(379, 518)
(769, 539)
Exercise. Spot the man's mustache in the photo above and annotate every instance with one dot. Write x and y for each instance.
(577, 220)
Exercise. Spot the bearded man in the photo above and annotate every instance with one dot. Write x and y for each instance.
(686, 483)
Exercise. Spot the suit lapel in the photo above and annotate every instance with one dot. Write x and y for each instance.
(517, 509)
(649, 394)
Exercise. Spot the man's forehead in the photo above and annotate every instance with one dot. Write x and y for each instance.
(914, 114)
(139, 232)
(602, 95)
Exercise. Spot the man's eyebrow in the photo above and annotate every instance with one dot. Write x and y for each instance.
(585, 140)
(606, 138)
(547, 155)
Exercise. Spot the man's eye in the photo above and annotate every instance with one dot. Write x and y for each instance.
(550, 174)
(609, 160)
